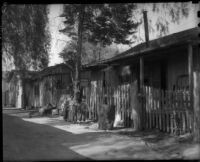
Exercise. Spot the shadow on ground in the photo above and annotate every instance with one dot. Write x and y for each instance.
(24, 140)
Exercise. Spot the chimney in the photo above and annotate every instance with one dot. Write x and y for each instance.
(146, 30)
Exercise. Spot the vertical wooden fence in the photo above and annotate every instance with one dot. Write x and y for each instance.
(168, 111)
(118, 96)
(122, 103)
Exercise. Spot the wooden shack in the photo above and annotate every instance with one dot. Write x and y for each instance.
(47, 86)
(150, 85)
(34, 89)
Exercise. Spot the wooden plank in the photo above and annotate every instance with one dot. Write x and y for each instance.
(119, 98)
(121, 104)
(130, 108)
(162, 110)
(126, 112)
(146, 106)
(167, 121)
(187, 121)
(157, 107)
(127, 105)
(150, 107)
(155, 116)
(184, 123)
(164, 121)
(168, 113)
(153, 107)
(125, 108)
(173, 122)
(127, 99)
(181, 122)
(196, 94)
(116, 101)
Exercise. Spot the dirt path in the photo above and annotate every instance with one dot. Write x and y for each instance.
(53, 139)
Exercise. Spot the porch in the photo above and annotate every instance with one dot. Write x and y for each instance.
(153, 91)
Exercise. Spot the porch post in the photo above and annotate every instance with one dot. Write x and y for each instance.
(190, 69)
(196, 95)
(190, 77)
(141, 93)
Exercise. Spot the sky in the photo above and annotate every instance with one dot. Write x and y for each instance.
(59, 40)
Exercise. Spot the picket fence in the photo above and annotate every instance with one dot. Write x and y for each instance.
(168, 111)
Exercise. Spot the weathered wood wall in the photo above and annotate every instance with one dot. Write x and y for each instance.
(47, 89)
(93, 94)
(11, 95)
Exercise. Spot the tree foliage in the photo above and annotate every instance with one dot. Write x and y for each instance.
(97, 25)
(173, 12)
(25, 35)
(105, 23)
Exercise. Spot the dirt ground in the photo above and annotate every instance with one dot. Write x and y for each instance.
(51, 138)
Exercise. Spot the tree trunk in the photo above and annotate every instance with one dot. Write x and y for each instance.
(76, 82)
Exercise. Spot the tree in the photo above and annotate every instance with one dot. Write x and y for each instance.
(97, 23)
(25, 35)
(174, 11)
